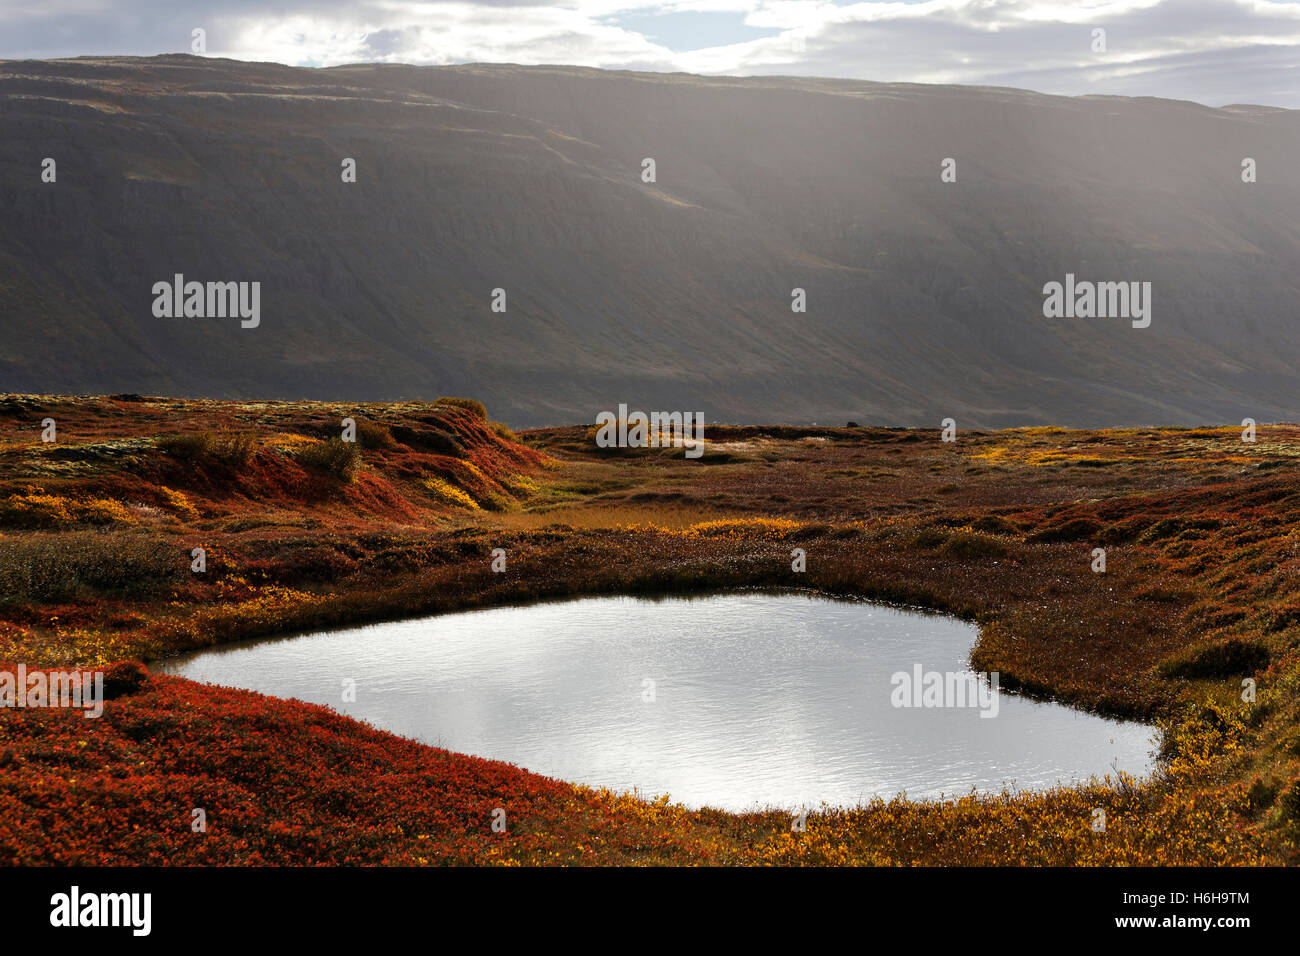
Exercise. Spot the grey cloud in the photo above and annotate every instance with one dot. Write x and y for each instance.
(1204, 50)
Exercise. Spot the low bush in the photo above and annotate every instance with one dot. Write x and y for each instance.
(1230, 658)
(467, 403)
(994, 524)
(188, 447)
(431, 439)
(335, 456)
(503, 431)
(227, 447)
(234, 448)
(53, 567)
(123, 678)
(35, 509)
(374, 435)
(444, 492)
(972, 544)
(929, 538)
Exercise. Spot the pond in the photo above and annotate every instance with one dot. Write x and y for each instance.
(736, 700)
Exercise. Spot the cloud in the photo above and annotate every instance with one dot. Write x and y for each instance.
(1212, 51)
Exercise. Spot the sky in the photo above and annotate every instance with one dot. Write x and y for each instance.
(1215, 52)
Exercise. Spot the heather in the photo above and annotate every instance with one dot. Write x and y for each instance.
(97, 531)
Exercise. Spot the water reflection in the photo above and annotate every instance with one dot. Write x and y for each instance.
(734, 700)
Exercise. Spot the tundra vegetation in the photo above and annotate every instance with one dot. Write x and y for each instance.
(1198, 604)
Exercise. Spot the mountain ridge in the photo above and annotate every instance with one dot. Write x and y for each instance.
(924, 298)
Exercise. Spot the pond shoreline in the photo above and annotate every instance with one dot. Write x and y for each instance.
(808, 645)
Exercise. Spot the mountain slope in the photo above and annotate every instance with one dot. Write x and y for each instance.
(924, 298)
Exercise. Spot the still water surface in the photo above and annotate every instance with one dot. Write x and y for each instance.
(734, 701)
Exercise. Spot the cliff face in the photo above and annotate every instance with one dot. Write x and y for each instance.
(924, 298)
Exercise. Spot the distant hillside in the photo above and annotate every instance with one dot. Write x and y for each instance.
(924, 298)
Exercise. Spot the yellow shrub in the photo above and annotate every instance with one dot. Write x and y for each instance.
(101, 511)
(519, 485)
(36, 509)
(179, 502)
(447, 493)
(742, 527)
